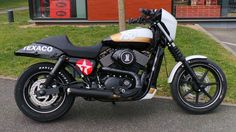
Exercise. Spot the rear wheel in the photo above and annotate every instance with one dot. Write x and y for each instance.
(44, 108)
(205, 99)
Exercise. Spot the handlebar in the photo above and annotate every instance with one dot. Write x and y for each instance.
(138, 20)
(148, 12)
(145, 11)
(148, 16)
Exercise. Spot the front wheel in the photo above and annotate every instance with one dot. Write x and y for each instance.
(204, 99)
(44, 108)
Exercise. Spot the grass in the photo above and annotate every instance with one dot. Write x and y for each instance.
(7, 4)
(190, 41)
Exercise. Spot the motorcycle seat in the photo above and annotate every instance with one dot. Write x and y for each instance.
(65, 45)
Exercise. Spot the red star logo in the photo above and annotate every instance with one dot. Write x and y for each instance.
(85, 66)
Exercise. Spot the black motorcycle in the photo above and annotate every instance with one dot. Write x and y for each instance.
(123, 67)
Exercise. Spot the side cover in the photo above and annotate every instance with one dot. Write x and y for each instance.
(39, 51)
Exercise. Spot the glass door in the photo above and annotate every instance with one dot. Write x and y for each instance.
(58, 9)
(81, 8)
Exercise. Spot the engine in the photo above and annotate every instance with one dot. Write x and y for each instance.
(124, 60)
(124, 57)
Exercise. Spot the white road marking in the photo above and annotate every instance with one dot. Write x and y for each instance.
(170, 98)
(232, 44)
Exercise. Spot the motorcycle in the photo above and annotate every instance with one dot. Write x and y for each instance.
(123, 67)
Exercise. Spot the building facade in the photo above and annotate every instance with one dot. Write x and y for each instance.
(107, 10)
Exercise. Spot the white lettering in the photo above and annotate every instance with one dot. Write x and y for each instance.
(25, 48)
(38, 48)
(127, 36)
(49, 49)
(44, 48)
(32, 48)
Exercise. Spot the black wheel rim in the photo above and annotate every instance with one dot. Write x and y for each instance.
(209, 77)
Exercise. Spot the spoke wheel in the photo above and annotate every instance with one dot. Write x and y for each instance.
(206, 98)
(43, 104)
(42, 108)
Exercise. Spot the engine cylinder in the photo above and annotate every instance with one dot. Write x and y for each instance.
(124, 57)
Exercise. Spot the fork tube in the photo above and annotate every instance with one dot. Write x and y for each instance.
(174, 50)
(165, 33)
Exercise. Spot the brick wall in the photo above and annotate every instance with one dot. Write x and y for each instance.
(108, 9)
(132, 6)
(198, 11)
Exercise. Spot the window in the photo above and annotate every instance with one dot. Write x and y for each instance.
(204, 8)
(58, 9)
(228, 8)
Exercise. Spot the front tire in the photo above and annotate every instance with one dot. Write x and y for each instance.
(45, 108)
(206, 99)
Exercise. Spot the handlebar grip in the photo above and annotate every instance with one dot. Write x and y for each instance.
(132, 21)
(145, 11)
(148, 16)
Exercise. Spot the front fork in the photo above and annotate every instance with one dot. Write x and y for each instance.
(180, 57)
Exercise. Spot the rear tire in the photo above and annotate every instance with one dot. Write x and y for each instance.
(206, 100)
(46, 108)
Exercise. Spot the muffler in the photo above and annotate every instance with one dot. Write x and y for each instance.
(91, 93)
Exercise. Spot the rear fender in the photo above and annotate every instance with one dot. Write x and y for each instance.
(179, 64)
(39, 51)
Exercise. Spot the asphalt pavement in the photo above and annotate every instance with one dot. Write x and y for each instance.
(156, 115)
(226, 36)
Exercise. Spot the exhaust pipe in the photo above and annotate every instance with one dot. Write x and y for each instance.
(82, 92)
(91, 93)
